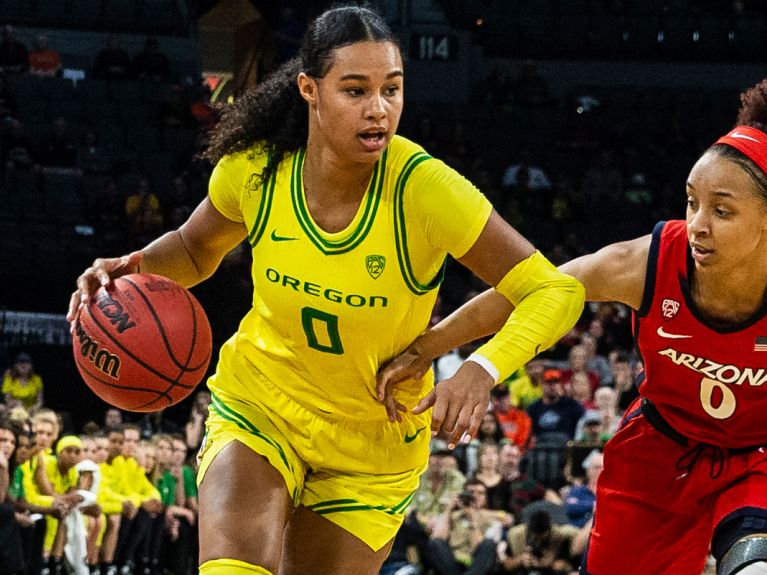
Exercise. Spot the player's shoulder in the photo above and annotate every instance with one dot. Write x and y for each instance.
(402, 152)
(244, 161)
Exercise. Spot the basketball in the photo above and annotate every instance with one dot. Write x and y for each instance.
(143, 343)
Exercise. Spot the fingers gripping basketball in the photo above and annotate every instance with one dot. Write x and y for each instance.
(143, 343)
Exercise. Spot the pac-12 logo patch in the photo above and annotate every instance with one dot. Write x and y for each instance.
(669, 308)
(375, 265)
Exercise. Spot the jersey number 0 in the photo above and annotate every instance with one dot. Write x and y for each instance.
(313, 319)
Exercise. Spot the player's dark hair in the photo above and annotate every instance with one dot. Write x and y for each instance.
(273, 114)
(473, 481)
(622, 357)
(539, 522)
(753, 113)
(497, 434)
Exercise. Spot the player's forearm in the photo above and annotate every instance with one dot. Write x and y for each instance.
(547, 304)
(172, 256)
(483, 315)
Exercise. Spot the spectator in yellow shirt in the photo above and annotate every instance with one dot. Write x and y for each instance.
(130, 481)
(22, 387)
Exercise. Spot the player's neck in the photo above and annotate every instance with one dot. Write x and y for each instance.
(334, 190)
(332, 178)
(729, 298)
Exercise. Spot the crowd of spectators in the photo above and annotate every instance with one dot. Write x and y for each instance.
(116, 497)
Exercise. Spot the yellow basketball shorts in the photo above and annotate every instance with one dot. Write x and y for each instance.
(359, 475)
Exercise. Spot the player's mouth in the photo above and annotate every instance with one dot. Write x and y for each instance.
(373, 139)
(699, 253)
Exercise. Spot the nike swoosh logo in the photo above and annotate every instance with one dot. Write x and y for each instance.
(411, 438)
(740, 136)
(276, 238)
(668, 335)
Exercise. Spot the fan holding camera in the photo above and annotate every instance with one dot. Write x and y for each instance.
(464, 537)
(540, 547)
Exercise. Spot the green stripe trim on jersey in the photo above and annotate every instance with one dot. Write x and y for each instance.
(242, 422)
(339, 505)
(402, 505)
(267, 194)
(372, 200)
(406, 267)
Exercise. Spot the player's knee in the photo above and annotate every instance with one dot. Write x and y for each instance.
(746, 556)
(754, 569)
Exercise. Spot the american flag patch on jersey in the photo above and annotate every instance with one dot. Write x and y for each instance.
(760, 344)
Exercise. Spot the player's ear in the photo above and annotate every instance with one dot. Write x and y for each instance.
(307, 87)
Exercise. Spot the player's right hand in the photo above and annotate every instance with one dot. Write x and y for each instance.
(101, 272)
(459, 403)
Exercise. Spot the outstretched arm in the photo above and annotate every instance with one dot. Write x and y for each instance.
(547, 304)
(614, 273)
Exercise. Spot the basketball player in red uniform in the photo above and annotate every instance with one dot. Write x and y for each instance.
(687, 470)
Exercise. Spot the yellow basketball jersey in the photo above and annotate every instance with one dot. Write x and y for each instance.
(330, 308)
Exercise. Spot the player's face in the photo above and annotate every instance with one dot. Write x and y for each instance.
(24, 368)
(726, 219)
(116, 440)
(112, 418)
(595, 467)
(164, 450)
(44, 435)
(102, 450)
(179, 452)
(89, 448)
(7, 442)
(489, 459)
(535, 369)
(69, 457)
(510, 455)
(489, 424)
(146, 455)
(130, 442)
(355, 109)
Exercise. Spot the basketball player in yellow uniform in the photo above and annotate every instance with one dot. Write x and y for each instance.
(303, 470)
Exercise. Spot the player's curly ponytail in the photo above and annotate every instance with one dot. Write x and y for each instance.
(273, 112)
(753, 107)
(753, 113)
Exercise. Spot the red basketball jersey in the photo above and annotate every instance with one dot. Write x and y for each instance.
(709, 383)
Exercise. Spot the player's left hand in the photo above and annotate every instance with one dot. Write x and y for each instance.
(459, 403)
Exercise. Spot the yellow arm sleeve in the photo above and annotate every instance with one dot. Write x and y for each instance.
(547, 304)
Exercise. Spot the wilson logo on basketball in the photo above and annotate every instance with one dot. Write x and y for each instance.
(103, 360)
(114, 311)
(161, 286)
(669, 308)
